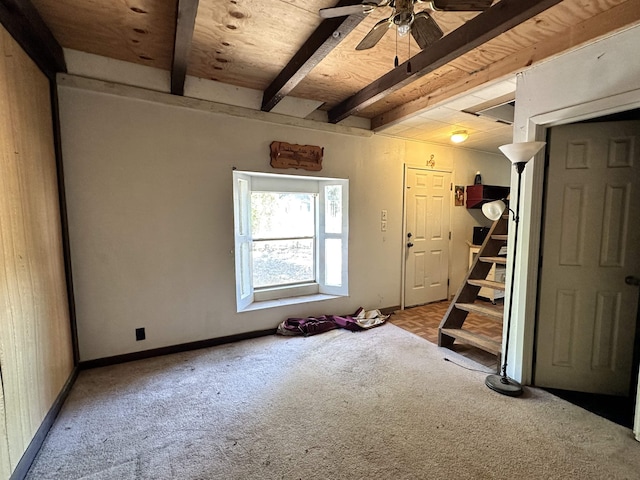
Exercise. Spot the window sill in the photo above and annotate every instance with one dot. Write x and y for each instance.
(281, 302)
(277, 293)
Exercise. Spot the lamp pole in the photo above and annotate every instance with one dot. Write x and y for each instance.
(519, 154)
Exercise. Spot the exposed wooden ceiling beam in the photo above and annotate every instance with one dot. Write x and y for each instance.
(24, 23)
(612, 20)
(325, 38)
(185, 23)
(500, 18)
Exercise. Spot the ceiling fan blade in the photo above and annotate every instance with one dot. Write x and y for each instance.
(364, 7)
(375, 34)
(425, 30)
(461, 5)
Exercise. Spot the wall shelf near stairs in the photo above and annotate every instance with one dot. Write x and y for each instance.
(452, 325)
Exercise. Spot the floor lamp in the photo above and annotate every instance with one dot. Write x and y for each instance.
(519, 154)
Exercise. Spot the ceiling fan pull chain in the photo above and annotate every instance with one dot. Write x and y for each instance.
(395, 61)
(409, 61)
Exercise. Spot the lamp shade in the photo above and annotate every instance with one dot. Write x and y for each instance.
(493, 210)
(521, 152)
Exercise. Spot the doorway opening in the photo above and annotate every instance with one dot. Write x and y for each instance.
(619, 408)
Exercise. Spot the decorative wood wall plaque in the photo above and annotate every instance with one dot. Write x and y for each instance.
(286, 155)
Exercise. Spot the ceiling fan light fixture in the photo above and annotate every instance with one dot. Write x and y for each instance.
(403, 21)
(459, 136)
(404, 29)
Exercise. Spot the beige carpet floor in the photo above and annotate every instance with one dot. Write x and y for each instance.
(380, 404)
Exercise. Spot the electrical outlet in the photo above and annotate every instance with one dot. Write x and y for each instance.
(383, 215)
(140, 335)
(383, 226)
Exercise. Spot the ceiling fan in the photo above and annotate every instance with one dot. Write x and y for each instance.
(422, 26)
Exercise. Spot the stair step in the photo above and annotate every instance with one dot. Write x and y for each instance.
(498, 260)
(483, 342)
(486, 283)
(491, 256)
(494, 312)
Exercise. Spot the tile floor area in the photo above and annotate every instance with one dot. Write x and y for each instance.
(424, 321)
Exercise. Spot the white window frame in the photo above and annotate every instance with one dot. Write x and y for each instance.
(248, 298)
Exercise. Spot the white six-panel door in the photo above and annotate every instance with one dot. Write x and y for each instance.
(428, 222)
(587, 313)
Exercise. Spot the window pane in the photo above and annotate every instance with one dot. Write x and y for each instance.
(333, 209)
(282, 215)
(333, 262)
(282, 262)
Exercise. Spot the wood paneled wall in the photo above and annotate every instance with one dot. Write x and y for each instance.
(35, 337)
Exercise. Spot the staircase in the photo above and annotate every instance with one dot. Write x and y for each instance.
(451, 328)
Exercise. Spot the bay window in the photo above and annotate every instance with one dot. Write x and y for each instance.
(291, 237)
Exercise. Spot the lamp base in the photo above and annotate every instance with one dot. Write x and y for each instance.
(504, 385)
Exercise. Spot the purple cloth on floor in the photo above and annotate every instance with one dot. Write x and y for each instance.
(314, 325)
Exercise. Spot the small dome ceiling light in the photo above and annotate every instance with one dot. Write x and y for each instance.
(459, 136)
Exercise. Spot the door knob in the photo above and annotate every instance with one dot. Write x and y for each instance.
(409, 245)
(631, 280)
(409, 235)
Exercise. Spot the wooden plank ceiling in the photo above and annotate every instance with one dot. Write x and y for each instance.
(249, 43)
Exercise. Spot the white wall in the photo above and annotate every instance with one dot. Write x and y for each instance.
(150, 214)
(592, 81)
